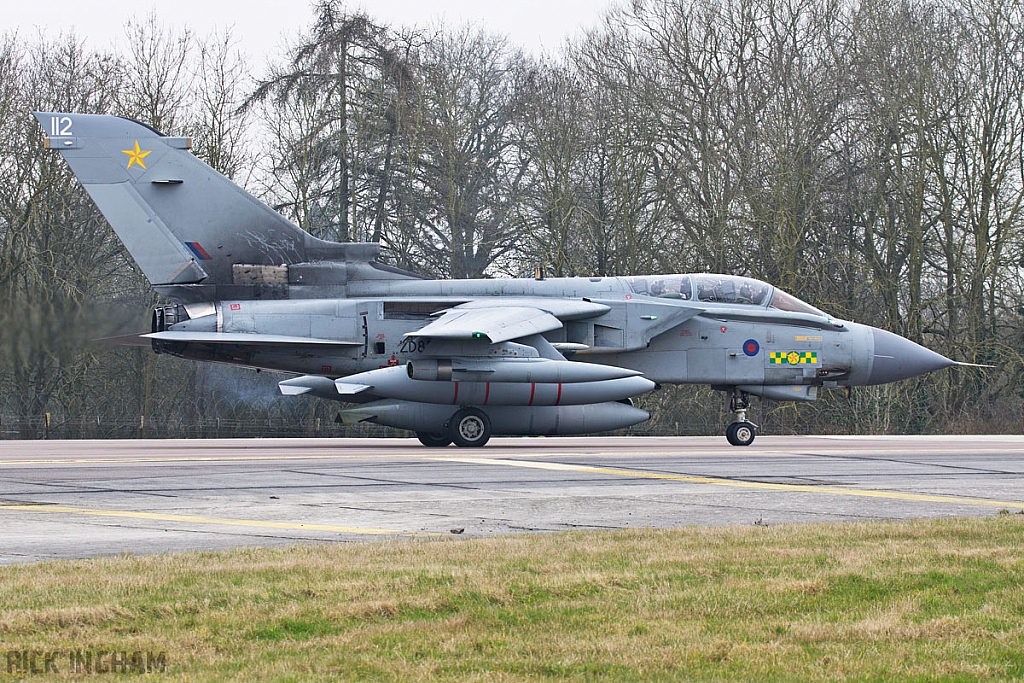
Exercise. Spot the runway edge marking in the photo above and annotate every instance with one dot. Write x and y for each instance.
(732, 483)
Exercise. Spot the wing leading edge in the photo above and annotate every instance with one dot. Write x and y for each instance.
(501, 320)
(494, 325)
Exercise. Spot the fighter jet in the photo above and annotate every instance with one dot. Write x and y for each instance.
(455, 361)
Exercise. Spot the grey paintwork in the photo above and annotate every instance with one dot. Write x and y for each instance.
(257, 291)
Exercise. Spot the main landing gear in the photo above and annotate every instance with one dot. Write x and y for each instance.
(438, 440)
(468, 428)
(740, 432)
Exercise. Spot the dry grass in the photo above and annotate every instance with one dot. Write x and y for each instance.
(937, 600)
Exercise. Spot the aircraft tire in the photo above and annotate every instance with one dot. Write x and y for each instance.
(434, 440)
(469, 428)
(741, 433)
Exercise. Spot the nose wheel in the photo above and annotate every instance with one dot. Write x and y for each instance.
(740, 432)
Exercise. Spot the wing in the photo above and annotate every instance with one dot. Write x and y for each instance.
(499, 320)
(495, 325)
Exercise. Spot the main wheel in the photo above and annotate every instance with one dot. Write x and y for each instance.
(434, 440)
(741, 433)
(469, 428)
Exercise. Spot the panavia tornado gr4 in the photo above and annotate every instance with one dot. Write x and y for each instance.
(453, 360)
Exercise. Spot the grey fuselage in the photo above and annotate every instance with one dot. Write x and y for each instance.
(722, 341)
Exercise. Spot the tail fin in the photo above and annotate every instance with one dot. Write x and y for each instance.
(183, 222)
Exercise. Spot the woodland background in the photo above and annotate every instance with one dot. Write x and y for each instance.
(865, 156)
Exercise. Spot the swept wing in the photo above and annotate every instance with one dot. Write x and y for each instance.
(499, 320)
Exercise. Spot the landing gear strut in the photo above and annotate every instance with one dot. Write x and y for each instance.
(740, 432)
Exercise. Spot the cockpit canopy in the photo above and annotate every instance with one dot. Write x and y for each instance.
(720, 289)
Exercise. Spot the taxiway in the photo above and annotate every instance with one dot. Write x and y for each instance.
(70, 499)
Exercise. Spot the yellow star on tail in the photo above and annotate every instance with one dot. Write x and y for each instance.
(136, 156)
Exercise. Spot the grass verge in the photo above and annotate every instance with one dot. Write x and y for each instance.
(925, 600)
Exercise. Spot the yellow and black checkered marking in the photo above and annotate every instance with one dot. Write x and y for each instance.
(793, 357)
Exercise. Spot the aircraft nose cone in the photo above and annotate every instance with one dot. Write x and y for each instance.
(896, 358)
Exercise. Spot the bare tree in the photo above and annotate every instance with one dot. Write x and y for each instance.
(624, 208)
(57, 252)
(341, 107)
(690, 76)
(554, 131)
(900, 53)
(218, 124)
(981, 188)
(469, 173)
(155, 82)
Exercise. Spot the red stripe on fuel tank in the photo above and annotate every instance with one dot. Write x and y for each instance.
(558, 398)
(533, 390)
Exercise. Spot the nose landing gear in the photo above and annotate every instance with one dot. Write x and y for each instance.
(740, 432)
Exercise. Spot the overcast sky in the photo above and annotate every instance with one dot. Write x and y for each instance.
(538, 26)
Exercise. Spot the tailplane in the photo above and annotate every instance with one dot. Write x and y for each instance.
(194, 233)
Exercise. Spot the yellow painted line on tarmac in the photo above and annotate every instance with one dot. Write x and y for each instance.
(420, 453)
(180, 458)
(197, 519)
(734, 483)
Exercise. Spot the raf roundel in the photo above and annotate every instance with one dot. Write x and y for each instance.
(751, 347)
